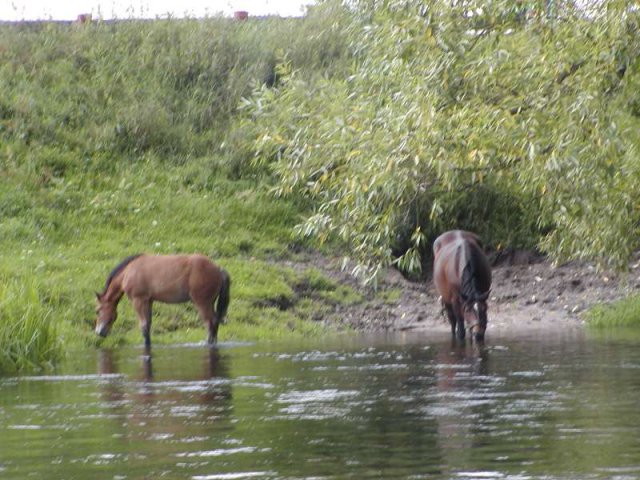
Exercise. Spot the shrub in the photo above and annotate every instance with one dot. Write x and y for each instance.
(507, 122)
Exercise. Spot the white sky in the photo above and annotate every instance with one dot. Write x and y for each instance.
(107, 9)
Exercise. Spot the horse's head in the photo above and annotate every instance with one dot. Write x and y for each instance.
(475, 315)
(106, 314)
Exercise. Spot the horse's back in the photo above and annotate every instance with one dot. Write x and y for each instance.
(445, 276)
(203, 263)
(455, 237)
(172, 278)
(453, 250)
(449, 250)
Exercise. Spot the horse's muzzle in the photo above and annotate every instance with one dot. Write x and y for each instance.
(101, 331)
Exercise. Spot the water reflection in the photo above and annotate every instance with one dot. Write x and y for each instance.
(553, 409)
(460, 370)
(213, 364)
(154, 403)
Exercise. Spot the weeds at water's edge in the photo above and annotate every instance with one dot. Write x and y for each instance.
(623, 313)
(28, 335)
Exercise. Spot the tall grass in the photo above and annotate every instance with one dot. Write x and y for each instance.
(105, 90)
(622, 313)
(28, 334)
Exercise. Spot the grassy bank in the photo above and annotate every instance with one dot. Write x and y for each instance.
(114, 139)
(68, 236)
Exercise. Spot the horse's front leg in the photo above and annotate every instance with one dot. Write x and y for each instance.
(142, 307)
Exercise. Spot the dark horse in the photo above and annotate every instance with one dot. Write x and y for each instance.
(167, 279)
(462, 276)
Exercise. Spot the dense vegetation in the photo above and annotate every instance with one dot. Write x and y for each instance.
(503, 117)
(376, 126)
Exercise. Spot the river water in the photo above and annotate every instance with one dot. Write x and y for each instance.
(559, 405)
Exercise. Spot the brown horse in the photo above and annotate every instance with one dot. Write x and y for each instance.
(462, 276)
(167, 279)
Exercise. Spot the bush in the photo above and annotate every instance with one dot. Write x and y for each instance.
(507, 122)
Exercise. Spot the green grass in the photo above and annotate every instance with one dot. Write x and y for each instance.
(64, 238)
(622, 313)
(28, 335)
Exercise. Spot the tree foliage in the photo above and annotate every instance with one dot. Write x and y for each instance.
(512, 119)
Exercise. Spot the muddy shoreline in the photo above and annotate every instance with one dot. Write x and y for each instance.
(528, 292)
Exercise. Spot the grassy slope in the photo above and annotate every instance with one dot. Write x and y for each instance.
(64, 253)
(109, 145)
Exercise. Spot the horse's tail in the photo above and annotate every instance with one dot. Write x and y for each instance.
(473, 276)
(223, 296)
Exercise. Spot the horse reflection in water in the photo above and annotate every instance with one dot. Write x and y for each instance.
(461, 372)
(462, 276)
(161, 400)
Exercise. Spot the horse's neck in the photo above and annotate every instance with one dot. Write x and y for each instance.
(114, 292)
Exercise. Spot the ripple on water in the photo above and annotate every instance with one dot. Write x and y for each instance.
(24, 427)
(333, 356)
(373, 367)
(104, 459)
(233, 476)
(219, 452)
(184, 386)
(480, 474)
(69, 378)
(316, 404)
(307, 396)
(484, 475)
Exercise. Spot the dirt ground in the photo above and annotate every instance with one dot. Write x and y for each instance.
(528, 292)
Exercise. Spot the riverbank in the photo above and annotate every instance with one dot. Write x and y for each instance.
(529, 292)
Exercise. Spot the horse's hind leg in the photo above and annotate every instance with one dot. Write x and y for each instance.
(210, 319)
(451, 316)
(142, 307)
(461, 330)
(457, 320)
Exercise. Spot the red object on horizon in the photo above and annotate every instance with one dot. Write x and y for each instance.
(84, 18)
(241, 15)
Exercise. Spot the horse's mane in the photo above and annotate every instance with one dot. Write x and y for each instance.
(468, 286)
(119, 268)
